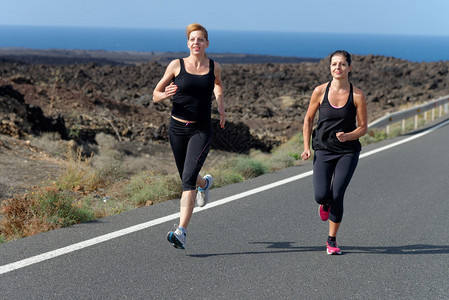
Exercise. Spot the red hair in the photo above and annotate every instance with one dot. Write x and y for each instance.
(194, 27)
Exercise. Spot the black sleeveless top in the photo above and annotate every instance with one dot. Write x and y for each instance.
(333, 120)
(193, 98)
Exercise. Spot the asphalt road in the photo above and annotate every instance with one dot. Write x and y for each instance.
(269, 244)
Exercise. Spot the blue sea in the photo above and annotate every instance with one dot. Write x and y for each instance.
(297, 44)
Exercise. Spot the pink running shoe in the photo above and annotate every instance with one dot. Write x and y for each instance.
(324, 215)
(333, 248)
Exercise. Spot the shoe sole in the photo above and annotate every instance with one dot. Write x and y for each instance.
(332, 253)
(178, 247)
(211, 180)
(172, 239)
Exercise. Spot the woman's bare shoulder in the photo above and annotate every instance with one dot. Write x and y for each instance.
(358, 92)
(320, 89)
(173, 68)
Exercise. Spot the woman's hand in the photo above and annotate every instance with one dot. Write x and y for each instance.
(305, 155)
(342, 137)
(170, 90)
(222, 118)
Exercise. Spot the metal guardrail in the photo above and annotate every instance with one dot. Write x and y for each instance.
(399, 116)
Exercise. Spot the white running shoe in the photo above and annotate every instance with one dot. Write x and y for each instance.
(202, 196)
(177, 238)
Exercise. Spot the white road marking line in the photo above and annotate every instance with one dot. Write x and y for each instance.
(103, 238)
(415, 136)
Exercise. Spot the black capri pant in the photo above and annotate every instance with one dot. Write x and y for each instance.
(190, 144)
(332, 173)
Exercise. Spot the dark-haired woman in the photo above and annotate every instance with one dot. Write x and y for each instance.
(190, 82)
(342, 121)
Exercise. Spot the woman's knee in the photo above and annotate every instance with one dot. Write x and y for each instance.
(322, 198)
(188, 186)
(189, 180)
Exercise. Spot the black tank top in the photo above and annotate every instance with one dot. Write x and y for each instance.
(333, 120)
(193, 98)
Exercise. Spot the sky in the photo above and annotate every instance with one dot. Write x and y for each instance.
(405, 17)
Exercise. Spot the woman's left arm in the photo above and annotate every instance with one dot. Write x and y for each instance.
(218, 92)
(362, 118)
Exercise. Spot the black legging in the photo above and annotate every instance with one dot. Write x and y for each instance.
(190, 144)
(332, 173)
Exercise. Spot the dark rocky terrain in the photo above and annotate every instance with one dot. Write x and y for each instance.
(82, 93)
(265, 102)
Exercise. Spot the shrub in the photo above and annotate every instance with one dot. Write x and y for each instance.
(373, 135)
(286, 154)
(281, 160)
(56, 207)
(16, 216)
(226, 177)
(37, 212)
(249, 168)
(145, 187)
(79, 174)
(109, 172)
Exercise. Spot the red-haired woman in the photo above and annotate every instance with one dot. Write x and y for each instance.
(190, 82)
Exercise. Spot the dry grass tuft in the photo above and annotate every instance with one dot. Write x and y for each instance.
(40, 211)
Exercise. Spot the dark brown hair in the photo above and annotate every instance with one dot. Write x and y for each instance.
(343, 53)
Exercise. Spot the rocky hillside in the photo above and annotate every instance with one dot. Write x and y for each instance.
(266, 102)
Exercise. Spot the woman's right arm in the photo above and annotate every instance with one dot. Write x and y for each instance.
(314, 104)
(165, 87)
